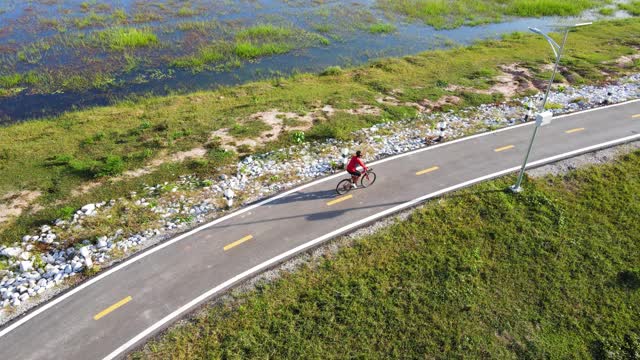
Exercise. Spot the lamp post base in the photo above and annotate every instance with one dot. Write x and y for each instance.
(515, 189)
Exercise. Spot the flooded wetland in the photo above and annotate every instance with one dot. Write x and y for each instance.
(59, 55)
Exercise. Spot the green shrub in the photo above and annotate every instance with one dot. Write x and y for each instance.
(112, 165)
(629, 279)
(297, 137)
(332, 71)
(66, 212)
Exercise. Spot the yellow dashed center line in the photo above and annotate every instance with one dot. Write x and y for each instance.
(111, 308)
(339, 200)
(504, 148)
(236, 243)
(422, 172)
(636, 116)
(574, 130)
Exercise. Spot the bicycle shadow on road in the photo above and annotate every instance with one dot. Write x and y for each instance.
(314, 216)
(305, 196)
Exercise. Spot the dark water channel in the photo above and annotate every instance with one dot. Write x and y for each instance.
(348, 48)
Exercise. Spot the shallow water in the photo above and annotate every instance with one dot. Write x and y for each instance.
(351, 45)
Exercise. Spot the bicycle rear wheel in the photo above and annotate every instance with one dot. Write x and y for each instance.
(368, 179)
(343, 187)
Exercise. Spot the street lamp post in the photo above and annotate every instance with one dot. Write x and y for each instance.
(542, 117)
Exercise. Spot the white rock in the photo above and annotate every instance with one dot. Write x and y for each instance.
(26, 266)
(68, 269)
(25, 255)
(88, 262)
(41, 290)
(24, 297)
(26, 238)
(15, 302)
(12, 252)
(89, 208)
(77, 266)
(85, 252)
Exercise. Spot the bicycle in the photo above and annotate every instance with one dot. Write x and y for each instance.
(367, 179)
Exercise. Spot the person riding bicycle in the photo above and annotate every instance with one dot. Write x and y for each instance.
(352, 168)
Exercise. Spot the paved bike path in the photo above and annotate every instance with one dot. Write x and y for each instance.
(165, 281)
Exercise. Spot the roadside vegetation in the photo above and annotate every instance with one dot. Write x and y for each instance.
(452, 14)
(481, 273)
(95, 154)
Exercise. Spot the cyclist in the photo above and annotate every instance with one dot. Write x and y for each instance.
(352, 168)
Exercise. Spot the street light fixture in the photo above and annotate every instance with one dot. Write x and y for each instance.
(544, 117)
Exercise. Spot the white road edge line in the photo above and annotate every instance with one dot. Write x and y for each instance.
(126, 263)
(343, 229)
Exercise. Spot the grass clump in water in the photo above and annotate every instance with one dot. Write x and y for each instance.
(126, 38)
(248, 50)
(206, 55)
(632, 7)
(382, 28)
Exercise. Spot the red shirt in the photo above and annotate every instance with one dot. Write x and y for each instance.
(355, 161)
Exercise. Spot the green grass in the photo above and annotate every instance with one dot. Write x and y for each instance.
(382, 28)
(633, 7)
(27, 148)
(455, 13)
(9, 81)
(483, 273)
(205, 56)
(606, 11)
(126, 38)
(249, 129)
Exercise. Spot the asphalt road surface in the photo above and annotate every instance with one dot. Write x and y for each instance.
(108, 315)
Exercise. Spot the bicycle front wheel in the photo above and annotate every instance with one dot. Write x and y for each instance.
(368, 179)
(343, 187)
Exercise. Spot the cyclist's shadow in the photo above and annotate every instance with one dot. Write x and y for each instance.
(306, 196)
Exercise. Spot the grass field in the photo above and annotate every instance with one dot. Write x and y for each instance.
(482, 273)
(58, 156)
(452, 14)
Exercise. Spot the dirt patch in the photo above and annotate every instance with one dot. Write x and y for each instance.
(276, 119)
(392, 101)
(627, 60)
(365, 110)
(513, 80)
(430, 105)
(162, 159)
(180, 156)
(13, 204)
